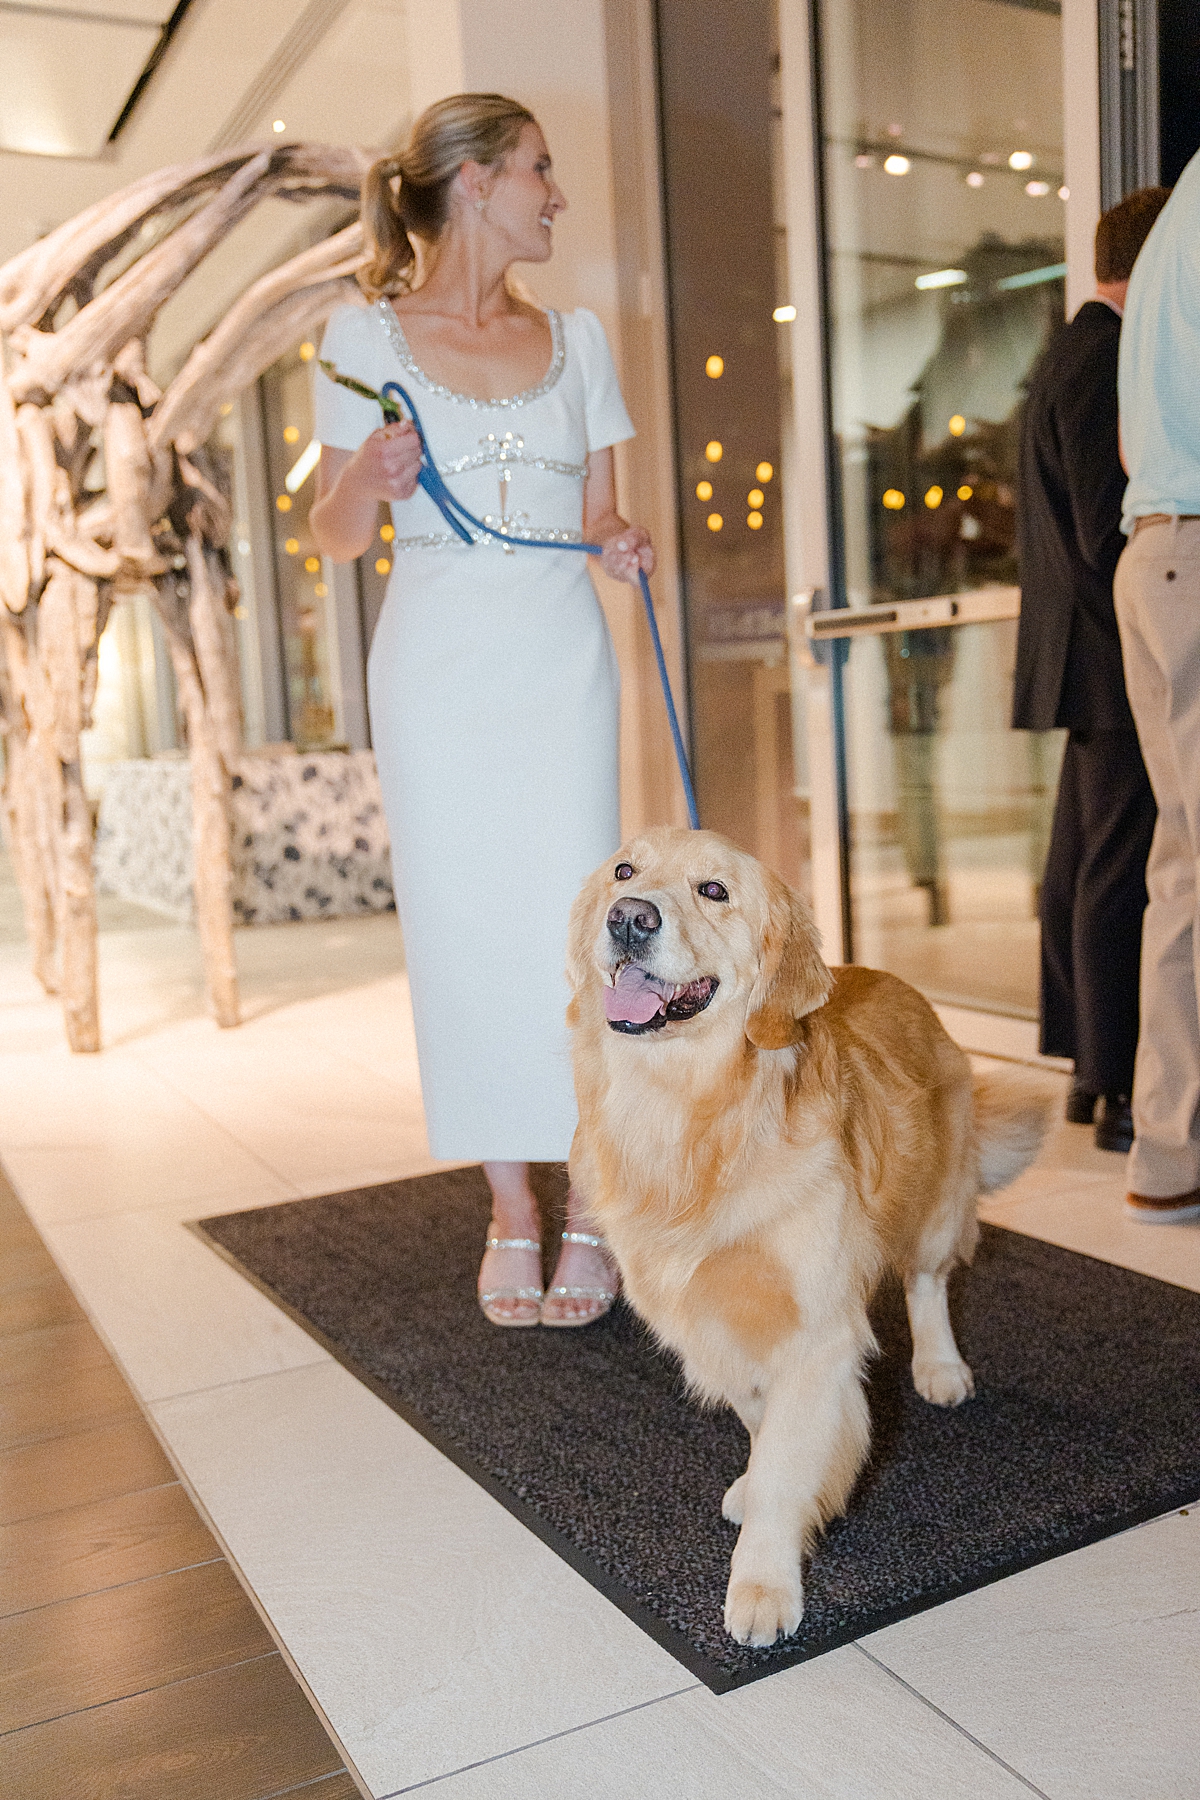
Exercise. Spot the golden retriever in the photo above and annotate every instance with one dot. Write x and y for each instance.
(760, 1139)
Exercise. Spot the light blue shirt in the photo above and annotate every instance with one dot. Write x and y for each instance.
(1158, 378)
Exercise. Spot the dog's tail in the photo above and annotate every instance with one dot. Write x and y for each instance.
(1012, 1114)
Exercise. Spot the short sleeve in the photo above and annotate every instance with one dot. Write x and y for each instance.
(605, 416)
(344, 420)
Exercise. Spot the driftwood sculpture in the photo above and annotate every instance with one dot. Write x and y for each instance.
(106, 488)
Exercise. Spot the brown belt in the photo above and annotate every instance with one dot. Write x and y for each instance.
(1145, 519)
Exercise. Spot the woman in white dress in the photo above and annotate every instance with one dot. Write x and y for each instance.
(492, 682)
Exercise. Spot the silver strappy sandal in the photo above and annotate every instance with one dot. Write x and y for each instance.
(605, 1296)
(532, 1295)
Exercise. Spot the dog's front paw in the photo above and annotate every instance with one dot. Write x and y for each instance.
(945, 1383)
(733, 1506)
(757, 1612)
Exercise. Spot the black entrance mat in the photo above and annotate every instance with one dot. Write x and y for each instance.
(1085, 1419)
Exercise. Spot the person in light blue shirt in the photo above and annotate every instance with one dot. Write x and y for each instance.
(1157, 594)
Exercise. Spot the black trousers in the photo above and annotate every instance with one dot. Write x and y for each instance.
(1093, 898)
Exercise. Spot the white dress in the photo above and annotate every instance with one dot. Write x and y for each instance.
(493, 693)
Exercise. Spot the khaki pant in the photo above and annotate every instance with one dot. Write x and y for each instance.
(1157, 593)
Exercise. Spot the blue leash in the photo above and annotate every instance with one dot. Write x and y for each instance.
(464, 524)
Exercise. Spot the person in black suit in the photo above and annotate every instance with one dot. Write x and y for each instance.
(1069, 672)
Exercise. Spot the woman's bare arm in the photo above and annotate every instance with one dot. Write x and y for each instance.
(351, 484)
(626, 548)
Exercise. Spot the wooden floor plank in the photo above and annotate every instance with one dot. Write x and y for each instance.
(39, 1408)
(88, 1548)
(238, 1734)
(46, 1302)
(17, 1230)
(82, 1653)
(54, 1351)
(335, 1787)
(87, 1465)
(24, 1264)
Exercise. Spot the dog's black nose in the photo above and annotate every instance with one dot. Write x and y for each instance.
(632, 921)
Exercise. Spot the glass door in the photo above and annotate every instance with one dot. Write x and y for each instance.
(865, 230)
(941, 145)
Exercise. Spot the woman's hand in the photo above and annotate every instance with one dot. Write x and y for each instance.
(387, 464)
(350, 486)
(627, 553)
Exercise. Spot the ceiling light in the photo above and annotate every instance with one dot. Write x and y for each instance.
(1021, 159)
(783, 315)
(1064, 193)
(942, 278)
(1032, 277)
(278, 125)
(897, 165)
(1037, 190)
(975, 179)
(303, 467)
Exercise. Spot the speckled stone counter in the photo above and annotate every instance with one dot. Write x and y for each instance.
(309, 838)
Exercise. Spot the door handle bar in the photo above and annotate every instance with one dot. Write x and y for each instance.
(978, 607)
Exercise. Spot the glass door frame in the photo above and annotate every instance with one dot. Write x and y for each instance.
(813, 526)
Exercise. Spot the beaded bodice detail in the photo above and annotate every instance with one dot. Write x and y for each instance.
(505, 451)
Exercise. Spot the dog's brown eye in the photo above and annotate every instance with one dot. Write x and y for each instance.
(713, 890)
(623, 872)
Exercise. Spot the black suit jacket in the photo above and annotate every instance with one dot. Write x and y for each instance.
(1070, 488)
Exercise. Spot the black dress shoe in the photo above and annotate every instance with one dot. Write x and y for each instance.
(1081, 1104)
(1114, 1123)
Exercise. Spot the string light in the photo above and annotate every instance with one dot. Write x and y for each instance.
(893, 499)
(763, 472)
(956, 425)
(714, 521)
(754, 497)
(382, 566)
(715, 366)
(284, 502)
(754, 521)
(934, 497)
(292, 546)
(320, 590)
(291, 434)
(704, 490)
(312, 564)
(714, 451)
(965, 492)
(307, 352)
(387, 533)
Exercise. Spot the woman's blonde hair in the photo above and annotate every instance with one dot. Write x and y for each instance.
(408, 195)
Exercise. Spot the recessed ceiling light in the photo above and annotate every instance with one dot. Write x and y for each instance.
(975, 179)
(278, 125)
(897, 165)
(942, 278)
(1037, 190)
(1021, 159)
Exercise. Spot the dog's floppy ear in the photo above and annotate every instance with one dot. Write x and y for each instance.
(581, 931)
(792, 979)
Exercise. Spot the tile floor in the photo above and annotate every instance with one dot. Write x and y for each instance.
(443, 1642)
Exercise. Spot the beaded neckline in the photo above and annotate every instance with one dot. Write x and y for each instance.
(399, 343)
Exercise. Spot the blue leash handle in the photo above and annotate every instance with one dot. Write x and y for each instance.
(464, 524)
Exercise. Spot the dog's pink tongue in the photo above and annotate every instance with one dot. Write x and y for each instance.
(636, 997)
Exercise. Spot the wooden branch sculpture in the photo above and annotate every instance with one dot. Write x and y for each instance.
(106, 488)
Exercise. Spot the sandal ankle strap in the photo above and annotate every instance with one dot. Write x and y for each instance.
(583, 1237)
(495, 1243)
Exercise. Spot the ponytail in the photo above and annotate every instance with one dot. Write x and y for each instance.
(408, 195)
